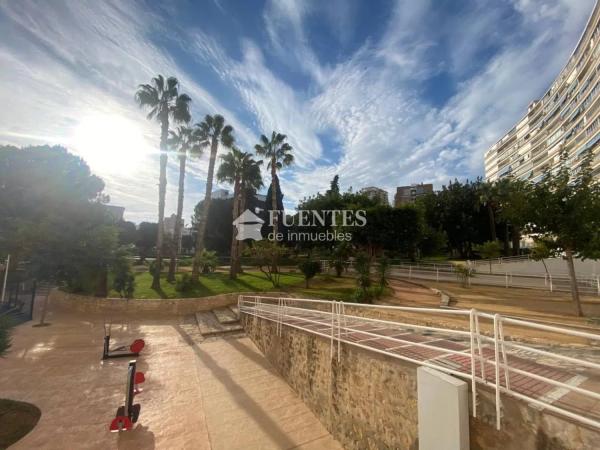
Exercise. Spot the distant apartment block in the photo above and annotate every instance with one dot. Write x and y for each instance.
(406, 195)
(221, 194)
(565, 119)
(116, 212)
(377, 194)
(169, 224)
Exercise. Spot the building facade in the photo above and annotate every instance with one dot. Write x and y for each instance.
(406, 195)
(377, 194)
(565, 120)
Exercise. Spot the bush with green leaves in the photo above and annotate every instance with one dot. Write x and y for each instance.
(340, 258)
(362, 265)
(152, 266)
(382, 270)
(464, 274)
(5, 326)
(123, 279)
(185, 283)
(309, 269)
(207, 261)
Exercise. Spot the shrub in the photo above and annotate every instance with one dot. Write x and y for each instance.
(5, 326)
(185, 283)
(123, 279)
(208, 261)
(309, 269)
(152, 266)
(382, 270)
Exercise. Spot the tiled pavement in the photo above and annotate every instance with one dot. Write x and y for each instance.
(454, 353)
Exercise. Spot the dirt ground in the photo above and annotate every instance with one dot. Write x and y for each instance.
(530, 304)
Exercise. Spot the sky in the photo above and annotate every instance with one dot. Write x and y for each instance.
(382, 92)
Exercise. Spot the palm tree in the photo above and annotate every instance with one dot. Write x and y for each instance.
(241, 170)
(212, 131)
(488, 196)
(165, 102)
(278, 153)
(185, 141)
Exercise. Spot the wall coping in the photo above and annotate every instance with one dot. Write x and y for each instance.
(67, 301)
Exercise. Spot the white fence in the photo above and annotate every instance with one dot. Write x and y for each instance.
(589, 285)
(446, 272)
(488, 359)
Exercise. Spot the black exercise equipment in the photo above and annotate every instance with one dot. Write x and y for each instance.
(119, 352)
(129, 413)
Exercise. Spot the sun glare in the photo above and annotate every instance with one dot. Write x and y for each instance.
(110, 143)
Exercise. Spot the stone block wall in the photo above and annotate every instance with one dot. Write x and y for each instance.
(368, 400)
(65, 301)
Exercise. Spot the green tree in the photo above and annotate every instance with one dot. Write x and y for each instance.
(5, 340)
(488, 197)
(309, 269)
(565, 213)
(165, 102)
(334, 189)
(540, 252)
(383, 268)
(241, 170)
(146, 239)
(185, 142)
(279, 154)
(53, 217)
(123, 279)
(513, 207)
(264, 253)
(489, 250)
(212, 131)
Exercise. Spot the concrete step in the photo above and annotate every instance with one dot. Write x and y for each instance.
(209, 325)
(236, 310)
(225, 315)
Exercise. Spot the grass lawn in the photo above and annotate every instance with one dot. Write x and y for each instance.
(322, 286)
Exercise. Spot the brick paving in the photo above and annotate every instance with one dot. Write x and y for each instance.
(403, 341)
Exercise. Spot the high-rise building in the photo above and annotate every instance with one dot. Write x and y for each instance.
(377, 194)
(565, 119)
(406, 195)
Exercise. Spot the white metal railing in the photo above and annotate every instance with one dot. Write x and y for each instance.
(587, 285)
(474, 350)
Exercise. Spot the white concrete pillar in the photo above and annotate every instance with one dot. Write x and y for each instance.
(443, 411)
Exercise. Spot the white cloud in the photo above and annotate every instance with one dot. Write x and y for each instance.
(63, 61)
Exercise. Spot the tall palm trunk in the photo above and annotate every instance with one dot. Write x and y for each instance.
(162, 191)
(574, 287)
(234, 242)
(178, 222)
(274, 198)
(240, 244)
(207, 200)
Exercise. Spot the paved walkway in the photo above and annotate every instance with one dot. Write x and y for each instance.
(221, 394)
(446, 350)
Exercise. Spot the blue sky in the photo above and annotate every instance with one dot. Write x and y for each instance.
(384, 93)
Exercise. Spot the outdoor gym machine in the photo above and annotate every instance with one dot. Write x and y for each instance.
(129, 413)
(119, 352)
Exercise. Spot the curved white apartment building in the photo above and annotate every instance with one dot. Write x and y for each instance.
(567, 118)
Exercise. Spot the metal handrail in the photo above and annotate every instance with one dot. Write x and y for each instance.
(332, 322)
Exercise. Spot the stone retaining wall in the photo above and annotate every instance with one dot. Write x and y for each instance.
(369, 400)
(140, 307)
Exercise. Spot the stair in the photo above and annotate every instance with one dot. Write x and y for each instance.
(219, 321)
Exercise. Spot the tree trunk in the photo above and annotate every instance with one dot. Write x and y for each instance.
(162, 190)
(207, 200)
(178, 224)
(274, 197)
(234, 242)
(492, 222)
(574, 287)
(516, 240)
(240, 244)
(506, 246)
